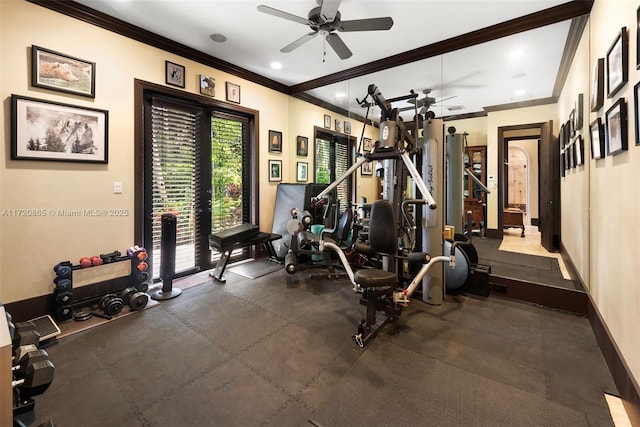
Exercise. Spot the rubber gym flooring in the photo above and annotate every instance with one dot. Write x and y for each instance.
(277, 351)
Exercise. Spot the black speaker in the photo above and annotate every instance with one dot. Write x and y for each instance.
(168, 241)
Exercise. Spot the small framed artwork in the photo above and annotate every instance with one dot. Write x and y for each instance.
(617, 63)
(275, 141)
(572, 123)
(45, 130)
(561, 140)
(275, 170)
(338, 126)
(302, 146)
(347, 127)
(301, 174)
(579, 112)
(64, 73)
(327, 121)
(566, 158)
(597, 85)
(572, 156)
(579, 150)
(366, 168)
(174, 74)
(636, 103)
(367, 145)
(638, 39)
(597, 139)
(617, 128)
(233, 92)
(207, 85)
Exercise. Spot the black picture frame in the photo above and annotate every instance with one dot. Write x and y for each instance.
(174, 74)
(579, 150)
(275, 170)
(616, 130)
(597, 139)
(63, 73)
(636, 109)
(572, 123)
(367, 145)
(597, 85)
(232, 92)
(347, 127)
(302, 171)
(562, 168)
(366, 168)
(638, 38)
(275, 141)
(302, 146)
(617, 63)
(327, 121)
(84, 137)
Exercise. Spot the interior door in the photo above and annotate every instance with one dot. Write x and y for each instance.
(549, 188)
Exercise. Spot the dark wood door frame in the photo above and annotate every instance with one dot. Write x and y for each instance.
(503, 147)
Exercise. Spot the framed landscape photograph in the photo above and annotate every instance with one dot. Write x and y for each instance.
(597, 139)
(64, 73)
(45, 130)
(174, 74)
(617, 128)
(302, 146)
(617, 63)
(301, 171)
(207, 85)
(275, 141)
(275, 170)
(597, 85)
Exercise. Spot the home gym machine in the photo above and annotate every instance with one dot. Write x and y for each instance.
(388, 290)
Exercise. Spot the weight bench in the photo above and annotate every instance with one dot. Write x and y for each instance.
(238, 237)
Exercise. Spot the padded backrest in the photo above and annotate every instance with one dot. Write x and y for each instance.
(383, 230)
(344, 226)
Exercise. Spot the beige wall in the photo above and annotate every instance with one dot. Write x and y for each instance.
(614, 259)
(30, 246)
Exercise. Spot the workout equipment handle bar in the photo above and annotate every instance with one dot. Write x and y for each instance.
(418, 180)
(346, 175)
(475, 179)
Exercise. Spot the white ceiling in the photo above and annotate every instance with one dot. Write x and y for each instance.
(483, 75)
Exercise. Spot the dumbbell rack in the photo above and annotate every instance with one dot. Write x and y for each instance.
(63, 301)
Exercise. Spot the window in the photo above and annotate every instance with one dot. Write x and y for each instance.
(333, 156)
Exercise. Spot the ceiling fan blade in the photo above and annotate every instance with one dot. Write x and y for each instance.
(280, 14)
(329, 9)
(302, 40)
(338, 45)
(444, 99)
(371, 24)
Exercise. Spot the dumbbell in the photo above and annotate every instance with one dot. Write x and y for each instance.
(111, 304)
(30, 357)
(110, 257)
(63, 269)
(37, 379)
(63, 298)
(62, 285)
(134, 298)
(25, 334)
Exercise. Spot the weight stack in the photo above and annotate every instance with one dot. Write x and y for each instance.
(63, 293)
(168, 242)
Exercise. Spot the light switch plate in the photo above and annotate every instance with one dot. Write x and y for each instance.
(117, 187)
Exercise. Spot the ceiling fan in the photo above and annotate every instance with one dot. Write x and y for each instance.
(425, 103)
(325, 20)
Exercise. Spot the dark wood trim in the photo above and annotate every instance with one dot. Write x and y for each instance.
(545, 295)
(622, 376)
(535, 222)
(140, 86)
(523, 104)
(102, 20)
(539, 19)
(465, 116)
(570, 47)
(493, 233)
(333, 108)
(571, 269)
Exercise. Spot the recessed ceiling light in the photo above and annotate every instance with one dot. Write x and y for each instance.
(218, 38)
(516, 54)
(341, 95)
(276, 65)
(520, 92)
